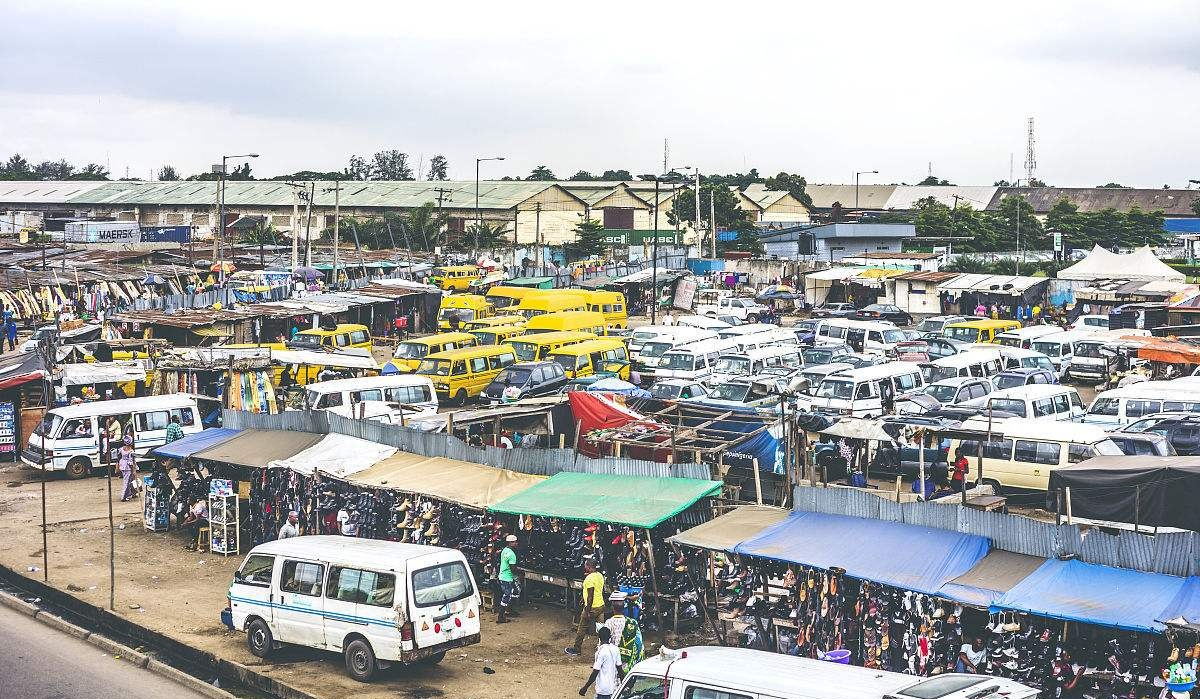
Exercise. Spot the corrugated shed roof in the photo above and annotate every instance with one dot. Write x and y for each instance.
(905, 198)
(1172, 202)
(934, 277)
(870, 196)
(759, 194)
(48, 192)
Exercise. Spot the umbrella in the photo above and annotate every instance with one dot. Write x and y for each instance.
(224, 266)
(307, 274)
(615, 385)
(153, 279)
(779, 292)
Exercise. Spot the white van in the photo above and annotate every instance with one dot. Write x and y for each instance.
(745, 309)
(69, 437)
(980, 363)
(1059, 347)
(752, 362)
(1089, 362)
(1024, 337)
(376, 602)
(1019, 358)
(1022, 452)
(861, 392)
(694, 361)
(717, 672)
(646, 357)
(1036, 400)
(866, 336)
(647, 333)
(1121, 406)
(701, 322)
(746, 329)
(414, 391)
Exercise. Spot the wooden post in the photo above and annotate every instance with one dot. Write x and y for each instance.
(897, 489)
(562, 440)
(1068, 490)
(757, 483)
(450, 423)
(653, 578)
(1137, 508)
(921, 463)
(578, 436)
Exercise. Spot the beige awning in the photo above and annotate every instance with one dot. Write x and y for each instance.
(731, 528)
(257, 448)
(461, 482)
(1000, 570)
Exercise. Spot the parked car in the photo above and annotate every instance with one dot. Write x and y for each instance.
(834, 310)
(1090, 322)
(745, 310)
(746, 392)
(939, 347)
(1021, 377)
(1142, 443)
(806, 332)
(525, 380)
(935, 324)
(959, 389)
(884, 311)
(825, 354)
(675, 389)
(1182, 430)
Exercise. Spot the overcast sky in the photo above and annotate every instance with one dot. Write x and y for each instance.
(817, 89)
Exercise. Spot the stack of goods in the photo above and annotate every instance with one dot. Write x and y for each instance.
(275, 492)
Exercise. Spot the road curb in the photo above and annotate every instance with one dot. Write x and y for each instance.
(178, 676)
(119, 651)
(264, 682)
(20, 605)
(62, 624)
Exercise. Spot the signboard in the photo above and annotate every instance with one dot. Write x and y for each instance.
(618, 236)
(1058, 240)
(726, 236)
(685, 294)
(123, 233)
(8, 428)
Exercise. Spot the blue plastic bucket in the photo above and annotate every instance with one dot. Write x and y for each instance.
(841, 655)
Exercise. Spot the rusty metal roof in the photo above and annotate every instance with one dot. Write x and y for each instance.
(931, 277)
(1172, 202)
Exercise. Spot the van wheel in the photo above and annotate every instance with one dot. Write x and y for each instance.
(258, 638)
(460, 398)
(433, 659)
(752, 318)
(78, 467)
(360, 660)
(996, 487)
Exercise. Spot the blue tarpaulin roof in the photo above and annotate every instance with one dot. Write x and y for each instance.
(1094, 594)
(907, 556)
(183, 448)
(1186, 605)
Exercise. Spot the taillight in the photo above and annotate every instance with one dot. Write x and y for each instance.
(458, 622)
(437, 628)
(406, 632)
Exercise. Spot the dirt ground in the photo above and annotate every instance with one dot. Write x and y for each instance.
(180, 593)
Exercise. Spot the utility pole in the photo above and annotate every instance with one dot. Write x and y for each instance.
(699, 238)
(295, 225)
(443, 194)
(337, 215)
(712, 221)
(537, 233)
(308, 202)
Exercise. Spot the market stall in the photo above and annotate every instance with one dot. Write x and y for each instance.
(1145, 491)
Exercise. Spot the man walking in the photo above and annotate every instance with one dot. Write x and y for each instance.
(10, 334)
(591, 610)
(508, 579)
(626, 632)
(174, 431)
(606, 671)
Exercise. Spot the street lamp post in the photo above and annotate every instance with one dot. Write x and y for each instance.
(221, 207)
(863, 172)
(671, 178)
(478, 213)
(1017, 259)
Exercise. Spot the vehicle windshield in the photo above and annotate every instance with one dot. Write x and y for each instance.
(929, 325)
(807, 326)
(836, 388)
(1096, 322)
(306, 340)
(48, 426)
(441, 585)
(665, 391)
(1088, 349)
(486, 337)
(1036, 363)
(1144, 425)
(1008, 381)
(961, 333)
(411, 350)
(682, 360)
(1009, 405)
(814, 355)
(893, 336)
(1050, 349)
(566, 361)
(733, 365)
(434, 367)
(937, 687)
(731, 391)
(513, 377)
(939, 373)
(944, 393)
(655, 349)
(525, 351)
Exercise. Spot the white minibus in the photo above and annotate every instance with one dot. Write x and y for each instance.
(1024, 337)
(862, 392)
(375, 602)
(1022, 452)
(1059, 347)
(413, 391)
(68, 438)
(1121, 406)
(717, 672)
(694, 361)
(664, 339)
(1089, 361)
(980, 363)
(866, 336)
(1035, 400)
(752, 362)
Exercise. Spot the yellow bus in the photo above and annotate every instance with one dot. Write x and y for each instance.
(465, 306)
(454, 277)
(979, 330)
(531, 348)
(502, 296)
(463, 373)
(602, 355)
(409, 353)
(609, 303)
(497, 329)
(585, 321)
(550, 301)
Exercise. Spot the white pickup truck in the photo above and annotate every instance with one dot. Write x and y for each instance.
(744, 309)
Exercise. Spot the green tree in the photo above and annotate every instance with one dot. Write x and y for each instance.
(723, 201)
(484, 236)
(589, 240)
(54, 170)
(616, 175)
(1112, 185)
(439, 168)
(541, 173)
(312, 175)
(94, 171)
(933, 181)
(746, 240)
(1196, 206)
(16, 168)
(582, 176)
(390, 165)
(358, 168)
(1004, 225)
(166, 173)
(793, 184)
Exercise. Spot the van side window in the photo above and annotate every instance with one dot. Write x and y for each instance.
(1106, 406)
(362, 586)
(507, 358)
(77, 428)
(642, 686)
(302, 578)
(342, 340)
(1079, 452)
(1037, 452)
(359, 336)
(479, 364)
(906, 382)
(367, 394)
(1137, 408)
(156, 420)
(1076, 401)
(458, 369)
(256, 570)
(1060, 404)
(706, 693)
(998, 449)
(187, 416)
(1043, 407)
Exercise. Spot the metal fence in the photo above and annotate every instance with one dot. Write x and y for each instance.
(538, 462)
(1173, 553)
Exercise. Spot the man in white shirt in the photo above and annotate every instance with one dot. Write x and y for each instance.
(290, 528)
(971, 656)
(606, 671)
(346, 523)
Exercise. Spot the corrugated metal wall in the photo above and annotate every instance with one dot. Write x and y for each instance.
(538, 462)
(1175, 553)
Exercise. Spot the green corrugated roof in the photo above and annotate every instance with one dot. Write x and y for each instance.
(635, 501)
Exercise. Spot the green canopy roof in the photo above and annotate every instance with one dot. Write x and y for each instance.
(635, 501)
(540, 282)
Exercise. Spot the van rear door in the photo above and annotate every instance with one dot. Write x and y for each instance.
(443, 600)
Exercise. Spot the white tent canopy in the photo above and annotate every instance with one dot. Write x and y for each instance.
(1141, 265)
(336, 455)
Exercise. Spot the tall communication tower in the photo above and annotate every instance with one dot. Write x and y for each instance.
(666, 153)
(1030, 157)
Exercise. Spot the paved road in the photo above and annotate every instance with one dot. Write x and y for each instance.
(41, 663)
